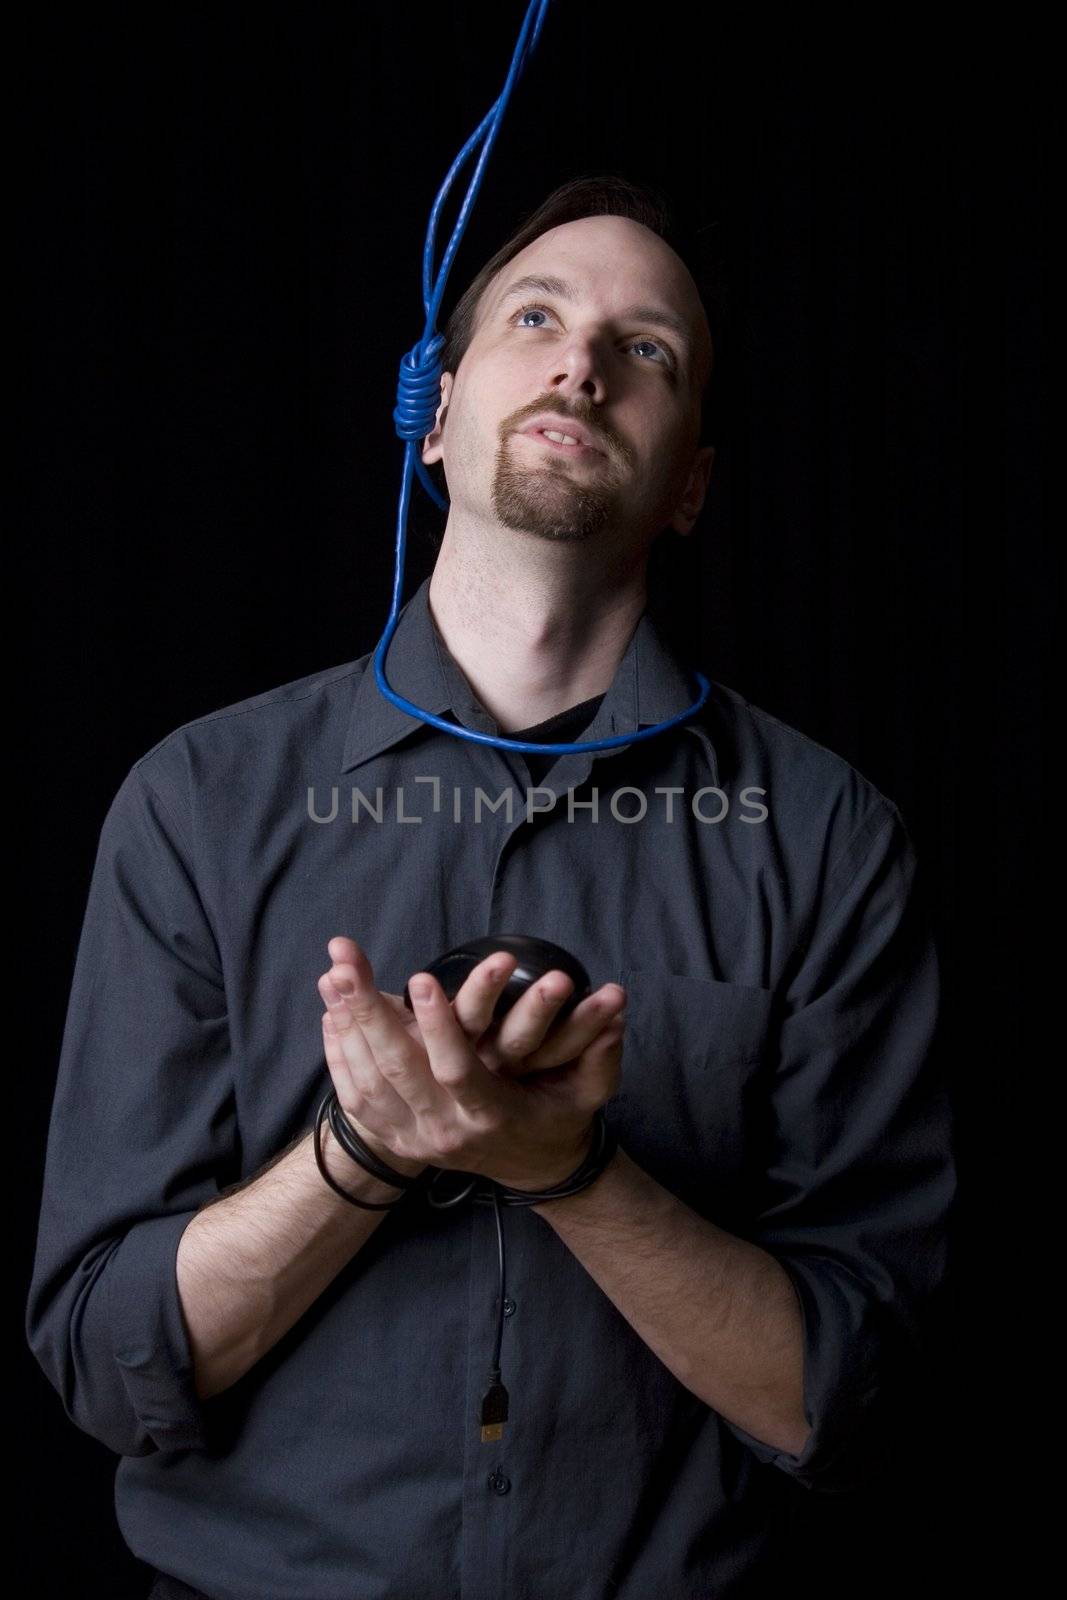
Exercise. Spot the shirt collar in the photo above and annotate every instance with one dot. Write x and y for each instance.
(650, 685)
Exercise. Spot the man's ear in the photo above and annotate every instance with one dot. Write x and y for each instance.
(692, 501)
(431, 445)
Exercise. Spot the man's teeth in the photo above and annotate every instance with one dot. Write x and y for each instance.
(560, 438)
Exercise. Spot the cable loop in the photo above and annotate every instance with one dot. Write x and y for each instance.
(418, 396)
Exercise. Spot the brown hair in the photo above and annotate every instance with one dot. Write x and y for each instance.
(592, 197)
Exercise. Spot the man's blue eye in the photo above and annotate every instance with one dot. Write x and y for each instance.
(545, 312)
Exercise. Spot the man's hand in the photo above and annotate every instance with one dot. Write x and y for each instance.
(450, 1088)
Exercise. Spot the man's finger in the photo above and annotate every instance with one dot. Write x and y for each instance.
(571, 1036)
(353, 1054)
(532, 1015)
(452, 1059)
(590, 1080)
(396, 1054)
(477, 997)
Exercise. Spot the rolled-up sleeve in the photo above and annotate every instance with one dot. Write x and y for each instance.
(142, 1124)
(860, 1188)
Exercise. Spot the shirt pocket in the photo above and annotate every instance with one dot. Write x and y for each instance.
(688, 1107)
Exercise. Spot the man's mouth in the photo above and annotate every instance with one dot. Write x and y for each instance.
(559, 439)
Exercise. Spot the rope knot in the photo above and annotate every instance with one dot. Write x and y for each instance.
(418, 390)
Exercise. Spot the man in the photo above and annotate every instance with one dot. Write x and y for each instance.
(294, 1383)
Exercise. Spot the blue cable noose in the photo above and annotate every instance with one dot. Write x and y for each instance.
(418, 393)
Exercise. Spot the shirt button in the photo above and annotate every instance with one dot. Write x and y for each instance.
(509, 1307)
(498, 1482)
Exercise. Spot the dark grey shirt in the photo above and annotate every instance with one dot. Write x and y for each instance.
(758, 900)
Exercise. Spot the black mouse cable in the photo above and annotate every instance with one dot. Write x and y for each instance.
(494, 1407)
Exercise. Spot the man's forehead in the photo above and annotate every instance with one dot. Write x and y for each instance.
(640, 265)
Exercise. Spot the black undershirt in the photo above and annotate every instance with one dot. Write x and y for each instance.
(566, 727)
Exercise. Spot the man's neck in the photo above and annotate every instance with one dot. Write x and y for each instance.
(532, 643)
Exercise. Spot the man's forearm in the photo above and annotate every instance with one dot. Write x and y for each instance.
(250, 1263)
(720, 1312)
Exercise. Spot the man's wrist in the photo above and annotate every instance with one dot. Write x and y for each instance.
(563, 1172)
(354, 1177)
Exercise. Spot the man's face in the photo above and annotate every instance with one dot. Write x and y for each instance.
(581, 354)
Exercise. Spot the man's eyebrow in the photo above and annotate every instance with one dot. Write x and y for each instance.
(655, 316)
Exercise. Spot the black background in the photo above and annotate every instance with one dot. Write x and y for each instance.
(222, 223)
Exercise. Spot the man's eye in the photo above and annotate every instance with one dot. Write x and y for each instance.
(544, 311)
(526, 310)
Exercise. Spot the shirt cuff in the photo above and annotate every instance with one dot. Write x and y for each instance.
(151, 1341)
(841, 1386)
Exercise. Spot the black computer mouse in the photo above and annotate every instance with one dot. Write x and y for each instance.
(535, 957)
